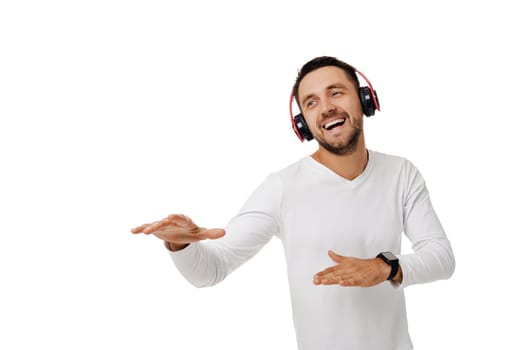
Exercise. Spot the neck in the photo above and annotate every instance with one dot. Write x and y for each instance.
(349, 165)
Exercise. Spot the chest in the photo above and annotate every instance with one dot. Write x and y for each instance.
(357, 222)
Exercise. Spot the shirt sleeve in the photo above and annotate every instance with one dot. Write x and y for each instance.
(432, 258)
(207, 263)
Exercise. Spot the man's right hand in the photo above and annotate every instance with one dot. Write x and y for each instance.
(179, 231)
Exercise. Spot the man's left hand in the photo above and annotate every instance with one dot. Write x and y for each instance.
(351, 271)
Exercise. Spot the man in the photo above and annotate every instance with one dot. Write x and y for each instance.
(340, 214)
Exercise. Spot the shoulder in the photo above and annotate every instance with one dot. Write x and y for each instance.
(386, 159)
(389, 160)
(276, 178)
(294, 169)
(393, 165)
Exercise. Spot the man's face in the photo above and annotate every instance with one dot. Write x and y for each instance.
(331, 108)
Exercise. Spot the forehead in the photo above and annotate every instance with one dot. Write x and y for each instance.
(319, 79)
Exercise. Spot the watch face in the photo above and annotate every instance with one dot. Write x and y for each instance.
(389, 256)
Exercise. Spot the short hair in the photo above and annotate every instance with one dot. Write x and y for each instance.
(319, 62)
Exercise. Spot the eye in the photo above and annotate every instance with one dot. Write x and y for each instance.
(310, 103)
(336, 93)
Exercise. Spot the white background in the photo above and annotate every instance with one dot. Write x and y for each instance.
(116, 113)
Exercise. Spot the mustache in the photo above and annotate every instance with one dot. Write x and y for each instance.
(332, 114)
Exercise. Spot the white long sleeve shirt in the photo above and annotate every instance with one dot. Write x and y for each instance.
(312, 210)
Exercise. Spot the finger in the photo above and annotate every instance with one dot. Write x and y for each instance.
(184, 223)
(139, 229)
(343, 279)
(154, 226)
(324, 278)
(161, 224)
(180, 219)
(335, 257)
(328, 271)
(328, 280)
(187, 235)
(176, 216)
(333, 274)
(347, 283)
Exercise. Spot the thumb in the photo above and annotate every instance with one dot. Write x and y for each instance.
(335, 257)
(215, 233)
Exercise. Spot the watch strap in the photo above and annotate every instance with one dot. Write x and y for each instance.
(394, 265)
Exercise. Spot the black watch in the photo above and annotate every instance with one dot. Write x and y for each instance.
(391, 260)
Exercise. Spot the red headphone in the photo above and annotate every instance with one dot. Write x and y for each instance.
(369, 103)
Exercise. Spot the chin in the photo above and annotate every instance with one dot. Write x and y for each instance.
(341, 149)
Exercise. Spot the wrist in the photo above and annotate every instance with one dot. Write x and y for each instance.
(398, 278)
(391, 262)
(174, 247)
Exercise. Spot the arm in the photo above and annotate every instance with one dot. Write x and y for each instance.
(353, 272)
(205, 263)
(432, 258)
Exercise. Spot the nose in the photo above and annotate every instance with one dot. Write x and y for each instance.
(327, 107)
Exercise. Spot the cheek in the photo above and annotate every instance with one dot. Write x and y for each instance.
(310, 120)
(356, 116)
(358, 111)
(355, 110)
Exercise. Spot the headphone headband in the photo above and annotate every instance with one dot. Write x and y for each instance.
(373, 94)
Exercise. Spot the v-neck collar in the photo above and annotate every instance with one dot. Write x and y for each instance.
(356, 181)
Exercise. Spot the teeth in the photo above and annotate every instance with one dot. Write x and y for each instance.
(332, 123)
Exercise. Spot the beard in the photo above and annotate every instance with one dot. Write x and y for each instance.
(347, 146)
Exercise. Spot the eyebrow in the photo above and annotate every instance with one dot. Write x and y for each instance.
(329, 87)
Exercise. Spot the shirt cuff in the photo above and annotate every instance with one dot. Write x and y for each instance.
(167, 246)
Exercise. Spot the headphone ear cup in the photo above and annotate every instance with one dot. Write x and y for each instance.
(367, 102)
(302, 128)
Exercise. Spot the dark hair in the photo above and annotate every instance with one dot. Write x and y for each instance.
(320, 62)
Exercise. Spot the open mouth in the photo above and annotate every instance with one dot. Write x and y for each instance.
(334, 124)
